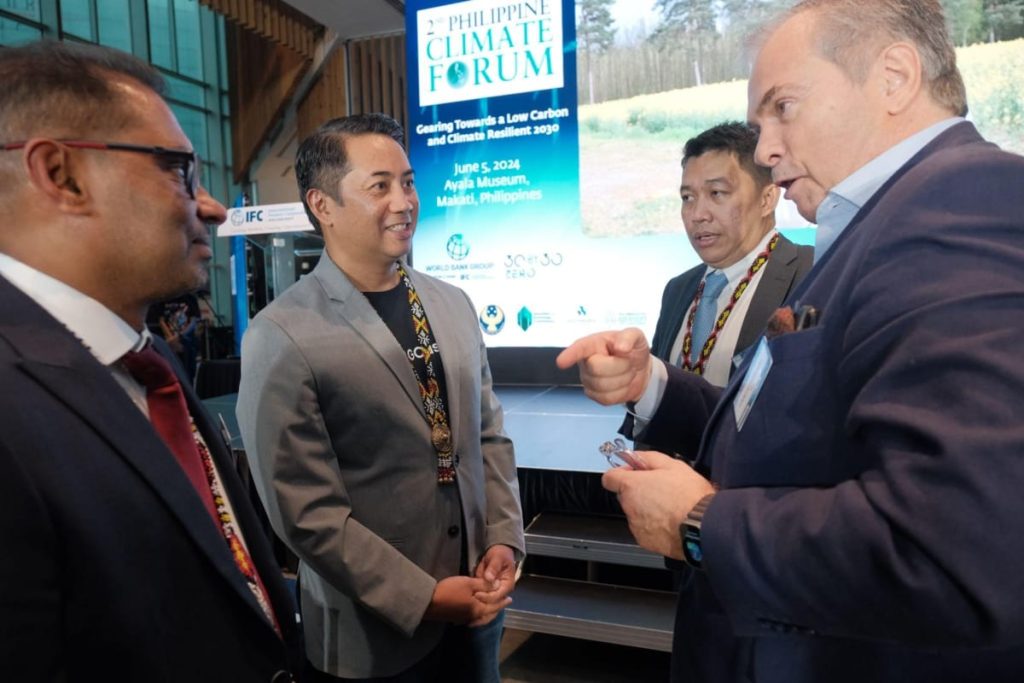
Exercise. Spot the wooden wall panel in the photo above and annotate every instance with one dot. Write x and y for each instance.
(264, 76)
(378, 77)
(327, 99)
(271, 47)
(273, 19)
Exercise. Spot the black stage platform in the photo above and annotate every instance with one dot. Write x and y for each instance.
(556, 430)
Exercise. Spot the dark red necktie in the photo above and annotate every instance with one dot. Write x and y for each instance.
(169, 414)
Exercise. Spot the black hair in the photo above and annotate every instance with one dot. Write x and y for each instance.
(734, 137)
(322, 162)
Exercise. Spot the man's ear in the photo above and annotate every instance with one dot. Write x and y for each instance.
(56, 174)
(902, 76)
(769, 199)
(321, 205)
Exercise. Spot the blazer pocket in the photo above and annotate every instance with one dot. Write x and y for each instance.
(793, 413)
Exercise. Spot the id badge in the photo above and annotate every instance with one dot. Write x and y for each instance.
(752, 383)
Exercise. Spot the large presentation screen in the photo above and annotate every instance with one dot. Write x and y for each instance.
(547, 135)
(555, 229)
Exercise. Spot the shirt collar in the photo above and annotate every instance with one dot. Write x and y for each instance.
(845, 199)
(102, 331)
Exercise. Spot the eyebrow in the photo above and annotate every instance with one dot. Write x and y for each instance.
(768, 97)
(709, 181)
(389, 174)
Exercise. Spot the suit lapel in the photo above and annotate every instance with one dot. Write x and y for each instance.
(678, 315)
(361, 316)
(244, 514)
(960, 134)
(63, 367)
(776, 281)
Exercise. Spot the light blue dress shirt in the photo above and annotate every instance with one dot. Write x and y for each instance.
(844, 200)
(834, 213)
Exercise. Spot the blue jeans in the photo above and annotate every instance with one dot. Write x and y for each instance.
(464, 655)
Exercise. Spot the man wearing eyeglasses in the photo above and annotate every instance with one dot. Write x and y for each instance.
(130, 550)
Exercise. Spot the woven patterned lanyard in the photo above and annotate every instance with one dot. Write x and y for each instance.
(737, 294)
(426, 371)
(229, 529)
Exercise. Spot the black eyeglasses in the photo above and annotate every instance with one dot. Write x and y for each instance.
(188, 163)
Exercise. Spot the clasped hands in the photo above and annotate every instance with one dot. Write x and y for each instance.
(615, 367)
(476, 600)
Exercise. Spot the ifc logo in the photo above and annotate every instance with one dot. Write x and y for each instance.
(492, 319)
(457, 247)
(237, 217)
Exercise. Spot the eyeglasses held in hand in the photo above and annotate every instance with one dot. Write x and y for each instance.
(185, 162)
(618, 455)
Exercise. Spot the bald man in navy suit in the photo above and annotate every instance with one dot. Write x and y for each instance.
(863, 518)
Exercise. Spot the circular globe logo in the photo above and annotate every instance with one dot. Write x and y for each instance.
(457, 75)
(457, 247)
(237, 217)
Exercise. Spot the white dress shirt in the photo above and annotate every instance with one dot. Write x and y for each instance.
(720, 362)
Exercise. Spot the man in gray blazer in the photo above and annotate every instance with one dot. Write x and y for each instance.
(387, 472)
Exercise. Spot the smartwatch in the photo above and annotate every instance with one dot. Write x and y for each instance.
(693, 552)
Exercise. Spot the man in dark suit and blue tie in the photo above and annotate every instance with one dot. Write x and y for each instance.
(130, 549)
(715, 311)
(863, 520)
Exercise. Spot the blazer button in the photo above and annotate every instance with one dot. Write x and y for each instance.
(282, 677)
(453, 530)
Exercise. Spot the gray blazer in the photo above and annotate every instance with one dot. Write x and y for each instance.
(331, 416)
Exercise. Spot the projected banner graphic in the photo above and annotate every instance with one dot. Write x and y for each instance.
(494, 143)
(493, 136)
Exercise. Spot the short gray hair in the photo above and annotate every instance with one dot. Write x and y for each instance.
(849, 33)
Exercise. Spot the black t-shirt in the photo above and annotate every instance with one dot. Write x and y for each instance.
(393, 308)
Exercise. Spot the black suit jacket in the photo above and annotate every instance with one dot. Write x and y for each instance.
(786, 267)
(870, 522)
(112, 568)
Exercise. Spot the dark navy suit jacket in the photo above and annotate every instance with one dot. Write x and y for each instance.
(112, 568)
(870, 522)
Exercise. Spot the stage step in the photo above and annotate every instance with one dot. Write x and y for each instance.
(592, 611)
(590, 538)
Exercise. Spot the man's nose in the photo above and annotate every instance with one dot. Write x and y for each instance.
(209, 209)
(404, 200)
(769, 148)
(699, 210)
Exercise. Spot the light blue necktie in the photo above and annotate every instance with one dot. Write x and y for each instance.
(707, 309)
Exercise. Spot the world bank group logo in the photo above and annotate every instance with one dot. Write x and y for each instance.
(237, 217)
(492, 319)
(457, 247)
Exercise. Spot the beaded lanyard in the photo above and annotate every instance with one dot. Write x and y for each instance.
(426, 370)
(737, 294)
(229, 529)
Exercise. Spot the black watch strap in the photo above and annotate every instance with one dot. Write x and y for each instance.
(693, 551)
